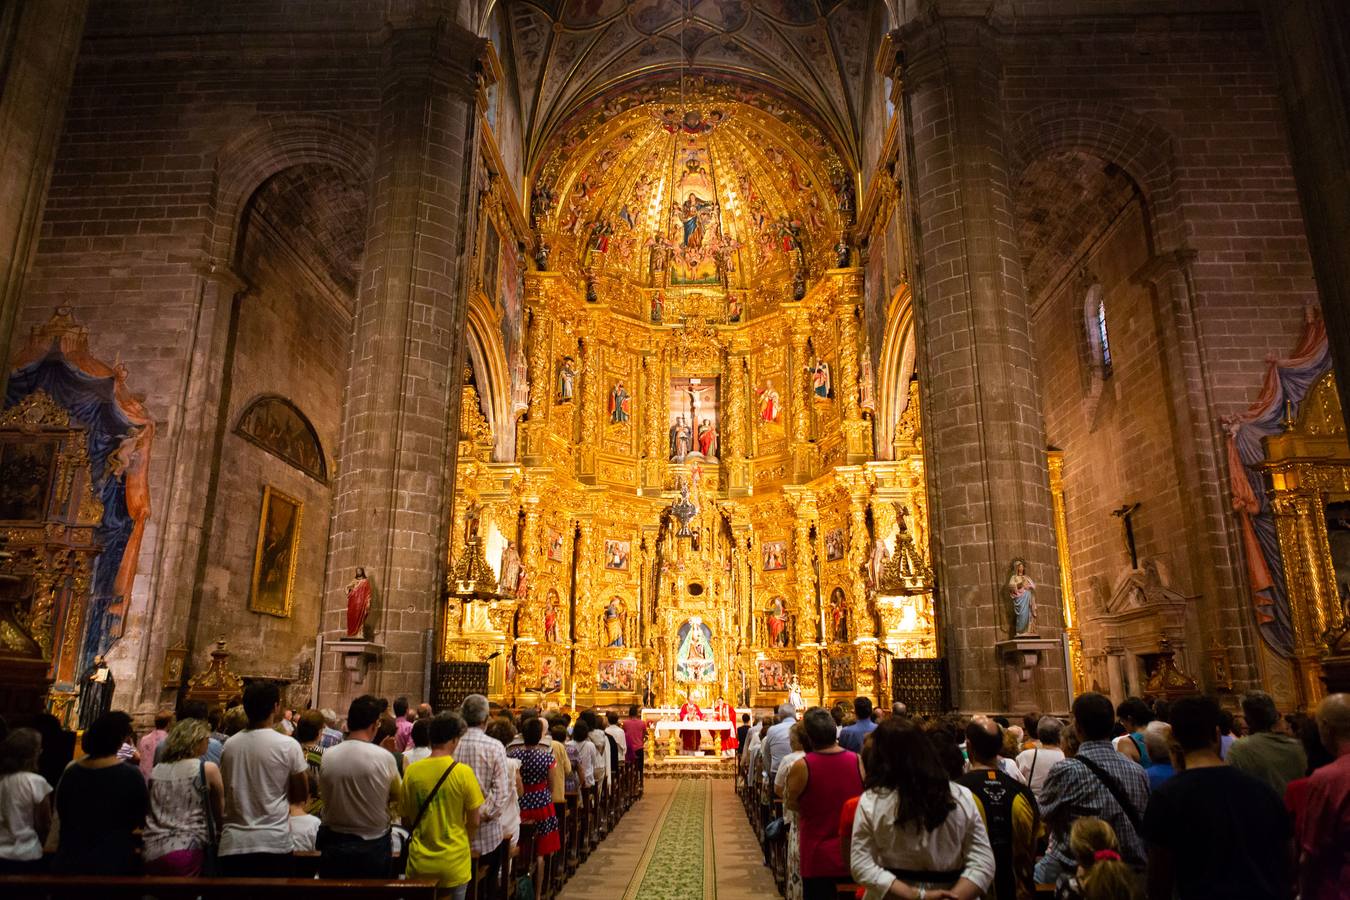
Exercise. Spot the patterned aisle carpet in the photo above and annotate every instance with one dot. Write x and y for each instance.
(678, 849)
(685, 839)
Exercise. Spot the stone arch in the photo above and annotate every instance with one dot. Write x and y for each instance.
(268, 146)
(1141, 147)
(897, 366)
(492, 375)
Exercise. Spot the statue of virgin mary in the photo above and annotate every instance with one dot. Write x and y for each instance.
(1022, 592)
(693, 656)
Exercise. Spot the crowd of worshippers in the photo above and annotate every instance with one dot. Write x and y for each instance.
(1163, 799)
(479, 793)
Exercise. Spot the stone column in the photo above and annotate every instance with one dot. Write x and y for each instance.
(41, 43)
(396, 465)
(1310, 42)
(982, 407)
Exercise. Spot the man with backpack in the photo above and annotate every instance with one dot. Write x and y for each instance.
(1009, 810)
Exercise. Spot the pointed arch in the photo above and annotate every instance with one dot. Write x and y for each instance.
(492, 374)
(898, 353)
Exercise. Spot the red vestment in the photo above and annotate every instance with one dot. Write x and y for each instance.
(691, 738)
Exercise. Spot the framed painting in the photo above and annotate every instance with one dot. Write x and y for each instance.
(775, 556)
(619, 675)
(275, 558)
(774, 674)
(555, 546)
(841, 674)
(616, 555)
(26, 469)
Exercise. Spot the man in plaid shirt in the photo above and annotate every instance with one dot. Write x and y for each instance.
(487, 758)
(1072, 790)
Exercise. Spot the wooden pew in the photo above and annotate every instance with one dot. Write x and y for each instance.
(78, 887)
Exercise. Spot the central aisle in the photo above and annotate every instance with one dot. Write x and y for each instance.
(686, 839)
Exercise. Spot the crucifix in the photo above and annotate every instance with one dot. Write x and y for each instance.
(1125, 514)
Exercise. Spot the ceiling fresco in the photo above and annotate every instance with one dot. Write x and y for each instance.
(693, 185)
(569, 51)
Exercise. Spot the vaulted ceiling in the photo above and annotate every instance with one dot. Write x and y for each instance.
(566, 52)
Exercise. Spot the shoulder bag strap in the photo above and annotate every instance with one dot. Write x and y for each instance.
(205, 790)
(1032, 772)
(1114, 787)
(430, 797)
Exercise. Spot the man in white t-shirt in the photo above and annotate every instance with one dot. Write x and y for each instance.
(358, 781)
(264, 772)
(1035, 764)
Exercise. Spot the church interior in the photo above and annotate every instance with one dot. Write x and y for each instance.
(662, 352)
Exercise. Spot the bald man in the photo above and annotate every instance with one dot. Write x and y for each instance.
(1009, 809)
(1322, 829)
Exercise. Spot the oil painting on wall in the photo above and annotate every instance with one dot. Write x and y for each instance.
(274, 560)
(617, 675)
(25, 478)
(278, 427)
(774, 674)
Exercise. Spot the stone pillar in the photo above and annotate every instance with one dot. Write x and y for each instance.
(393, 495)
(1310, 41)
(982, 409)
(37, 63)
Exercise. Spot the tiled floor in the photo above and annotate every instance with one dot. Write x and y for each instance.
(615, 870)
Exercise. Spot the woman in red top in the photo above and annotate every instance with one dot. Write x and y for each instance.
(818, 786)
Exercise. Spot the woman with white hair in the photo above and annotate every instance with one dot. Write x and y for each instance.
(186, 803)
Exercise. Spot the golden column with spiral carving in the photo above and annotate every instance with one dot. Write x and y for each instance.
(799, 394)
(654, 451)
(857, 431)
(734, 424)
(591, 373)
(533, 428)
(863, 619)
(1301, 525)
(1055, 459)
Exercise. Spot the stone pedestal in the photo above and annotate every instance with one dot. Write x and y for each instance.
(1025, 660)
(357, 657)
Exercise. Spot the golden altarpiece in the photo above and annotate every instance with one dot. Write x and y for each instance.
(693, 510)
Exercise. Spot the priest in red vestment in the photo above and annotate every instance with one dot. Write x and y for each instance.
(690, 738)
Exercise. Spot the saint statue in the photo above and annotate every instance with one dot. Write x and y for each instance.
(778, 623)
(707, 438)
(567, 380)
(838, 615)
(613, 619)
(96, 692)
(618, 404)
(820, 380)
(880, 554)
(693, 656)
(551, 619)
(358, 604)
(1022, 592)
(509, 579)
(680, 440)
(770, 404)
(795, 694)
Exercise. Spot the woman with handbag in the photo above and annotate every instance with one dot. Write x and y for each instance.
(186, 804)
(441, 801)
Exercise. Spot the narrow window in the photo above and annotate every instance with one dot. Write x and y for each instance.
(1103, 338)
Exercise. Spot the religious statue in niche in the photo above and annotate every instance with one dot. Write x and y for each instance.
(567, 380)
(770, 403)
(658, 308)
(681, 440)
(693, 654)
(779, 623)
(1022, 592)
(707, 438)
(693, 411)
(733, 309)
(96, 692)
(358, 604)
(834, 544)
(551, 617)
(618, 404)
(876, 562)
(775, 556)
(509, 579)
(838, 615)
(795, 693)
(821, 385)
(613, 622)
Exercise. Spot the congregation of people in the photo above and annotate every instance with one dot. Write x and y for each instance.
(1179, 799)
(483, 801)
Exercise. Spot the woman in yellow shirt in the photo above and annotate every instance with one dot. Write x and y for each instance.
(438, 846)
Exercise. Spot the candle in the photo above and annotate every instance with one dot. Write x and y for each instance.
(574, 695)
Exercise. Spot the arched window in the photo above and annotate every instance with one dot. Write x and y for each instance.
(277, 426)
(1098, 335)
